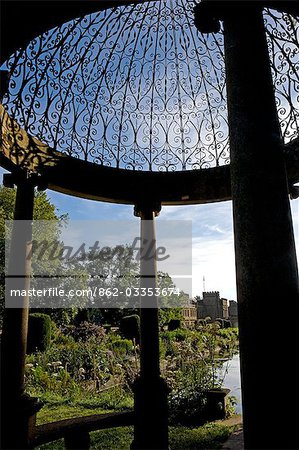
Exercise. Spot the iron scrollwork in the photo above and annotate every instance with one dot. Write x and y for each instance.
(283, 42)
(138, 87)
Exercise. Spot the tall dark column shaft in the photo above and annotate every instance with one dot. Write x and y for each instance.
(149, 320)
(17, 409)
(150, 390)
(16, 319)
(266, 267)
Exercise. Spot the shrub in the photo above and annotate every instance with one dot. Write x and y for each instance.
(62, 339)
(187, 399)
(180, 335)
(122, 347)
(168, 345)
(130, 327)
(90, 356)
(39, 332)
(174, 324)
(86, 331)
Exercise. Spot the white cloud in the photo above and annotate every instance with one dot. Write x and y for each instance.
(215, 228)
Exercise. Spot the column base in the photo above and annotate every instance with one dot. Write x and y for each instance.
(18, 418)
(151, 414)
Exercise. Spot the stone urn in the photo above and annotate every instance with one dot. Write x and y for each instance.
(216, 403)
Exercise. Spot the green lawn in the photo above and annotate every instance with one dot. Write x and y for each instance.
(210, 436)
(54, 413)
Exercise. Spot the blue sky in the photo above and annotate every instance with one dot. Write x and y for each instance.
(212, 235)
(212, 247)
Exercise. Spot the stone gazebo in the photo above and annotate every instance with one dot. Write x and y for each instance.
(163, 102)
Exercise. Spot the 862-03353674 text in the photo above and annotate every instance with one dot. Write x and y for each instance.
(96, 292)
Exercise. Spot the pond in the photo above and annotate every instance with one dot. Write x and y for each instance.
(232, 380)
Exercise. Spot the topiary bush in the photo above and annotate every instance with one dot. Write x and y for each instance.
(227, 323)
(122, 347)
(39, 332)
(82, 316)
(180, 335)
(174, 324)
(130, 327)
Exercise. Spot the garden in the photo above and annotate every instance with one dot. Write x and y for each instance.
(83, 368)
(84, 361)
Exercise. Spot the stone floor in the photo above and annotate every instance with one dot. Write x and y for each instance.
(235, 441)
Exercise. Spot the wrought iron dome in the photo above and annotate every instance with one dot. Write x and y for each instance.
(138, 87)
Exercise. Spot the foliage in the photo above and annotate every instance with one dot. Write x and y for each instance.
(170, 305)
(127, 269)
(61, 316)
(85, 360)
(85, 331)
(39, 332)
(43, 210)
(230, 406)
(192, 366)
(118, 271)
(81, 361)
(178, 335)
(166, 315)
(122, 347)
(100, 372)
(189, 377)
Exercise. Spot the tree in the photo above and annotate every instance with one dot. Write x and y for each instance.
(170, 312)
(44, 209)
(123, 273)
(118, 270)
(112, 272)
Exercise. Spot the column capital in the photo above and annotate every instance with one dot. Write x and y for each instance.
(147, 210)
(10, 180)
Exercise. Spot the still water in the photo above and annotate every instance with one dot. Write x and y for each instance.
(232, 380)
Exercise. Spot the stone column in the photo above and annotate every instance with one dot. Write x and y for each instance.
(150, 400)
(17, 409)
(266, 267)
